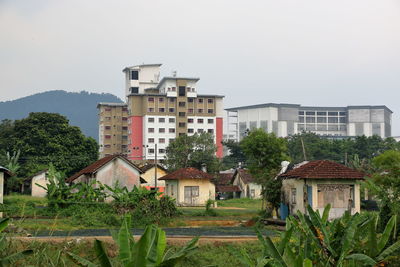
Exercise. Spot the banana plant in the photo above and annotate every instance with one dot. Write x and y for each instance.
(376, 251)
(148, 251)
(9, 260)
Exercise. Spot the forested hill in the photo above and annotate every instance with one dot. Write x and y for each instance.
(80, 108)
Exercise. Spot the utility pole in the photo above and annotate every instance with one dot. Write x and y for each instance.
(155, 168)
(304, 149)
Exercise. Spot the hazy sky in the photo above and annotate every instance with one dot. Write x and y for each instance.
(342, 52)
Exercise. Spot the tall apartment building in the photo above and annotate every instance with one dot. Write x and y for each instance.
(113, 128)
(289, 119)
(160, 110)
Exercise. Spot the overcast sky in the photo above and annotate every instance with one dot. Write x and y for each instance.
(308, 52)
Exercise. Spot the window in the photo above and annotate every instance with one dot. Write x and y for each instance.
(210, 121)
(172, 110)
(310, 119)
(161, 140)
(161, 130)
(151, 150)
(161, 151)
(171, 140)
(171, 130)
(134, 75)
(182, 90)
(200, 120)
(200, 130)
(181, 124)
(134, 90)
(182, 114)
(200, 100)
(190, 130)
(124, 128)
(161, 120)
(150, 99)
(172, 100)
(182, 104)
(190, 120)
(124, 109)
(301, 112)
(188, 89)
(171, 120)
(321, 113)
(210, 111)
(211, 131)
(107, 136)
(161, 99)
(150, 119)
(108, 118)
(190, 100)
(173, 89)
(332, 113)
(310, 113)
(124, 137)
(150, 140)
(321, 119)
(210, 100)
(161, 110)
(107, 109)
(151, 109)
(107, 146)
(107, 127)
(293, 196)
(150, 130)
(200, 110)
(124, 118)
(332, 120)
(190, 110)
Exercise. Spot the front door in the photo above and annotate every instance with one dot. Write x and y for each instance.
(191, 195)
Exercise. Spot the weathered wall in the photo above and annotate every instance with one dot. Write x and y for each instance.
(206, 191)
(287, 186)
(149, 177)
(42, 180)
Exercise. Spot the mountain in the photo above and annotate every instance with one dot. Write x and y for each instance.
(80, 108)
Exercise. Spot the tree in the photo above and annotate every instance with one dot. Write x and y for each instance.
(192, 151)
(264, 153)
(45, 138)
(235, 156)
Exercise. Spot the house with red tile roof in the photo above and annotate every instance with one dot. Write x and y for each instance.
(319, 183)
(110, 170)
(248, 188)
(189, 186)
(152, 172)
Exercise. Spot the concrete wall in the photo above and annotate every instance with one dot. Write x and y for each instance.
(246, 188)
(177, 191)
(42, 180)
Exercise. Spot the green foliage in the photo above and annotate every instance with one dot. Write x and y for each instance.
(7, 259)
(47, 137)
(235, 156)
(147, 251)
(265, 152)
(192, 151)
(348, 241)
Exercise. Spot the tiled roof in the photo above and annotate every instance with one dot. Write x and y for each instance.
(227, 188)
(323, 169)
(245, 175)
(223, 178)
(92, 168)
(6, 171)
(186, 173)
(147, 167)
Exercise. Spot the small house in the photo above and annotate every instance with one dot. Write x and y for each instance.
(37, 179)
(224, 188)
(110, 170)
(150, 172)
(4, 173)
(189, 186)
(319, 183)
(248, 188)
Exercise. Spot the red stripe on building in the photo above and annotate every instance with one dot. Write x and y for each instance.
(218, 137)
(136, 138)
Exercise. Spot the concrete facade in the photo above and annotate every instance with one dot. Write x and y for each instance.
(41, 179)
(288, 119)
(248, 190)
(176, 189)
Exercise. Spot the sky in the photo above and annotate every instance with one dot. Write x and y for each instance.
(309, 52)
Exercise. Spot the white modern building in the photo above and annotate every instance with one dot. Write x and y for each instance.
(288, 119)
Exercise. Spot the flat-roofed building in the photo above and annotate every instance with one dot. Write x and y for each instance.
(288, 119)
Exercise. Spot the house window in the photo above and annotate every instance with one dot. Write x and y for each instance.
(124, 128)
(182, 114)
(190, 130)
(190, 120)
(171, 120)
(107, 136)
(182, 104)
(172, 110)
(210, 121)
(150, 119)
(210, 100)
(171, 130)
(210, 111)
(181, 124)
(293, 196)
(171, 140)
(200, 100)
(107, 109)
(151, 150)
(124, 137)
(182, 90)
(108, 127)
(161, 150)
(200, 110)
(124, 109)
(190, 110)
(151, 109)
(172, 100)
(150, 140)
(161, 99)
(134, 75)
(200, 130)
(211, 131)
(188, 89)
(151, 130)
(124, 118)
(161, 130)
(161, 140)
(200, 120)
(161, 120)
(134, 90)
(190, 100)
(161, 110)
(150, 99)
(107, 146)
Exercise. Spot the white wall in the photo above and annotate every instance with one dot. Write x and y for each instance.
(42, 180)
